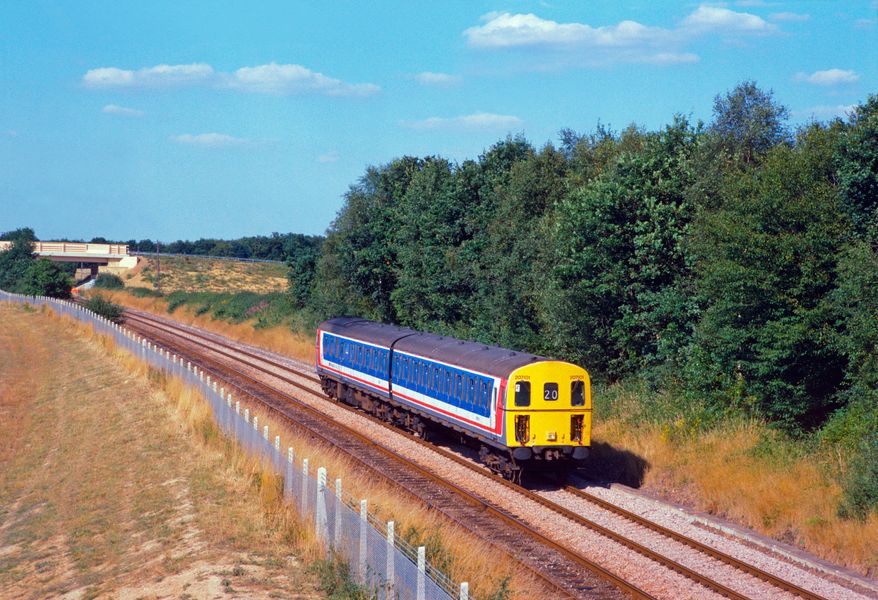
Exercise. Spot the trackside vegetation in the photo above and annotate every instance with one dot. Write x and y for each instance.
(728, 267)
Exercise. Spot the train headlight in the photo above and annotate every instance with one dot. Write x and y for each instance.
(551, 436)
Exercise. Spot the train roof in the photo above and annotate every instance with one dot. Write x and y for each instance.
(491, 360)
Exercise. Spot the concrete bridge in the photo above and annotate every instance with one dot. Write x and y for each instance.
(112, 257)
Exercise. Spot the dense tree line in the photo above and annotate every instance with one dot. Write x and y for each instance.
(277, 246)
(733, 261)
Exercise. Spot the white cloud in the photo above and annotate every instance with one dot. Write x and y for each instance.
(626, 41)
(865, 23)
(824, 112)
(437, 79)
(210, 140)
(829, 77)
(475, 121)
(505, 30)
(789, 17)
(112, 109)
(294, 79)
(159, 75)
(716, 18)
(272, 78)
(670, 58)
(329, 157)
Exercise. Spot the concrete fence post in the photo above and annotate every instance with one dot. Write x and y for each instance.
(422, 573)
(265, 433)
(464, 590)
(304, 499)
(236, 419)
(254, 434)
(391, 563)
(247, 416)
(364, 524)
(320, 506)
(288, 479)
(336, 527)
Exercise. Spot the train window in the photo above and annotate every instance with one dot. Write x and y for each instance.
(577, 393)
(437, 379)
(483, 398)
(522, 393)
(471, 396)
(550, 391)
(458, 387)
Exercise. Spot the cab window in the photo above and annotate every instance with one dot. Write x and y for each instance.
(577, 393)
(522, 393)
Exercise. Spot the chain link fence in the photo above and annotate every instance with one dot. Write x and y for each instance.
(382, 564)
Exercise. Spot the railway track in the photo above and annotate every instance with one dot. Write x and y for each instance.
(292, 374)
(565, 573)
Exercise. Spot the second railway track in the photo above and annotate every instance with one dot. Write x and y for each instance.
(292, 373)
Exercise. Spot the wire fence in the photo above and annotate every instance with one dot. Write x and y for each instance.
(384, 565)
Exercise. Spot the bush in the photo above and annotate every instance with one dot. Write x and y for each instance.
(109, 281)
(860, 492)
(142, 292)
(103, 307)
(337, 581)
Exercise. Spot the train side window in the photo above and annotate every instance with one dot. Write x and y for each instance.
(483, 398)
(458, 388)
(437, 378)
(577, 393)
(471, 395)
(522, 393)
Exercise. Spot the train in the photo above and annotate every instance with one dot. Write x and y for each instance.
(522, 412)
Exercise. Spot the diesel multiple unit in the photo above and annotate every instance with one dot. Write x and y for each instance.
(517, 408)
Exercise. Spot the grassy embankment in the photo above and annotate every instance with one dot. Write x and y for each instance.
(449, 548)
(740, 469)
(242, 300)
(105, 492)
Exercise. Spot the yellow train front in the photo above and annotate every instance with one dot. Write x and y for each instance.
(548, 411)
(520, 411)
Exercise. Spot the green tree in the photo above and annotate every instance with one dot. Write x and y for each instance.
(857, 163)
(15, 262)
(45, 278)
(618, 300)
(766, 260)
(748, 122)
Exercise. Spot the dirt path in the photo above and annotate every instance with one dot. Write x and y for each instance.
(104, 494)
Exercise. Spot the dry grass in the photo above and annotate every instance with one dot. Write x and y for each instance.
(449, 548)
(730, 472)
(104, 492)
(199, 274)
(278, 339)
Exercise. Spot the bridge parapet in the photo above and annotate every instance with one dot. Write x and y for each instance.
(77, 248)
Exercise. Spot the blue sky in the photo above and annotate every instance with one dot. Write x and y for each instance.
(202, 119)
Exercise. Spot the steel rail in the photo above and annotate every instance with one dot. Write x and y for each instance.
(642, 521)
(556, 570)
